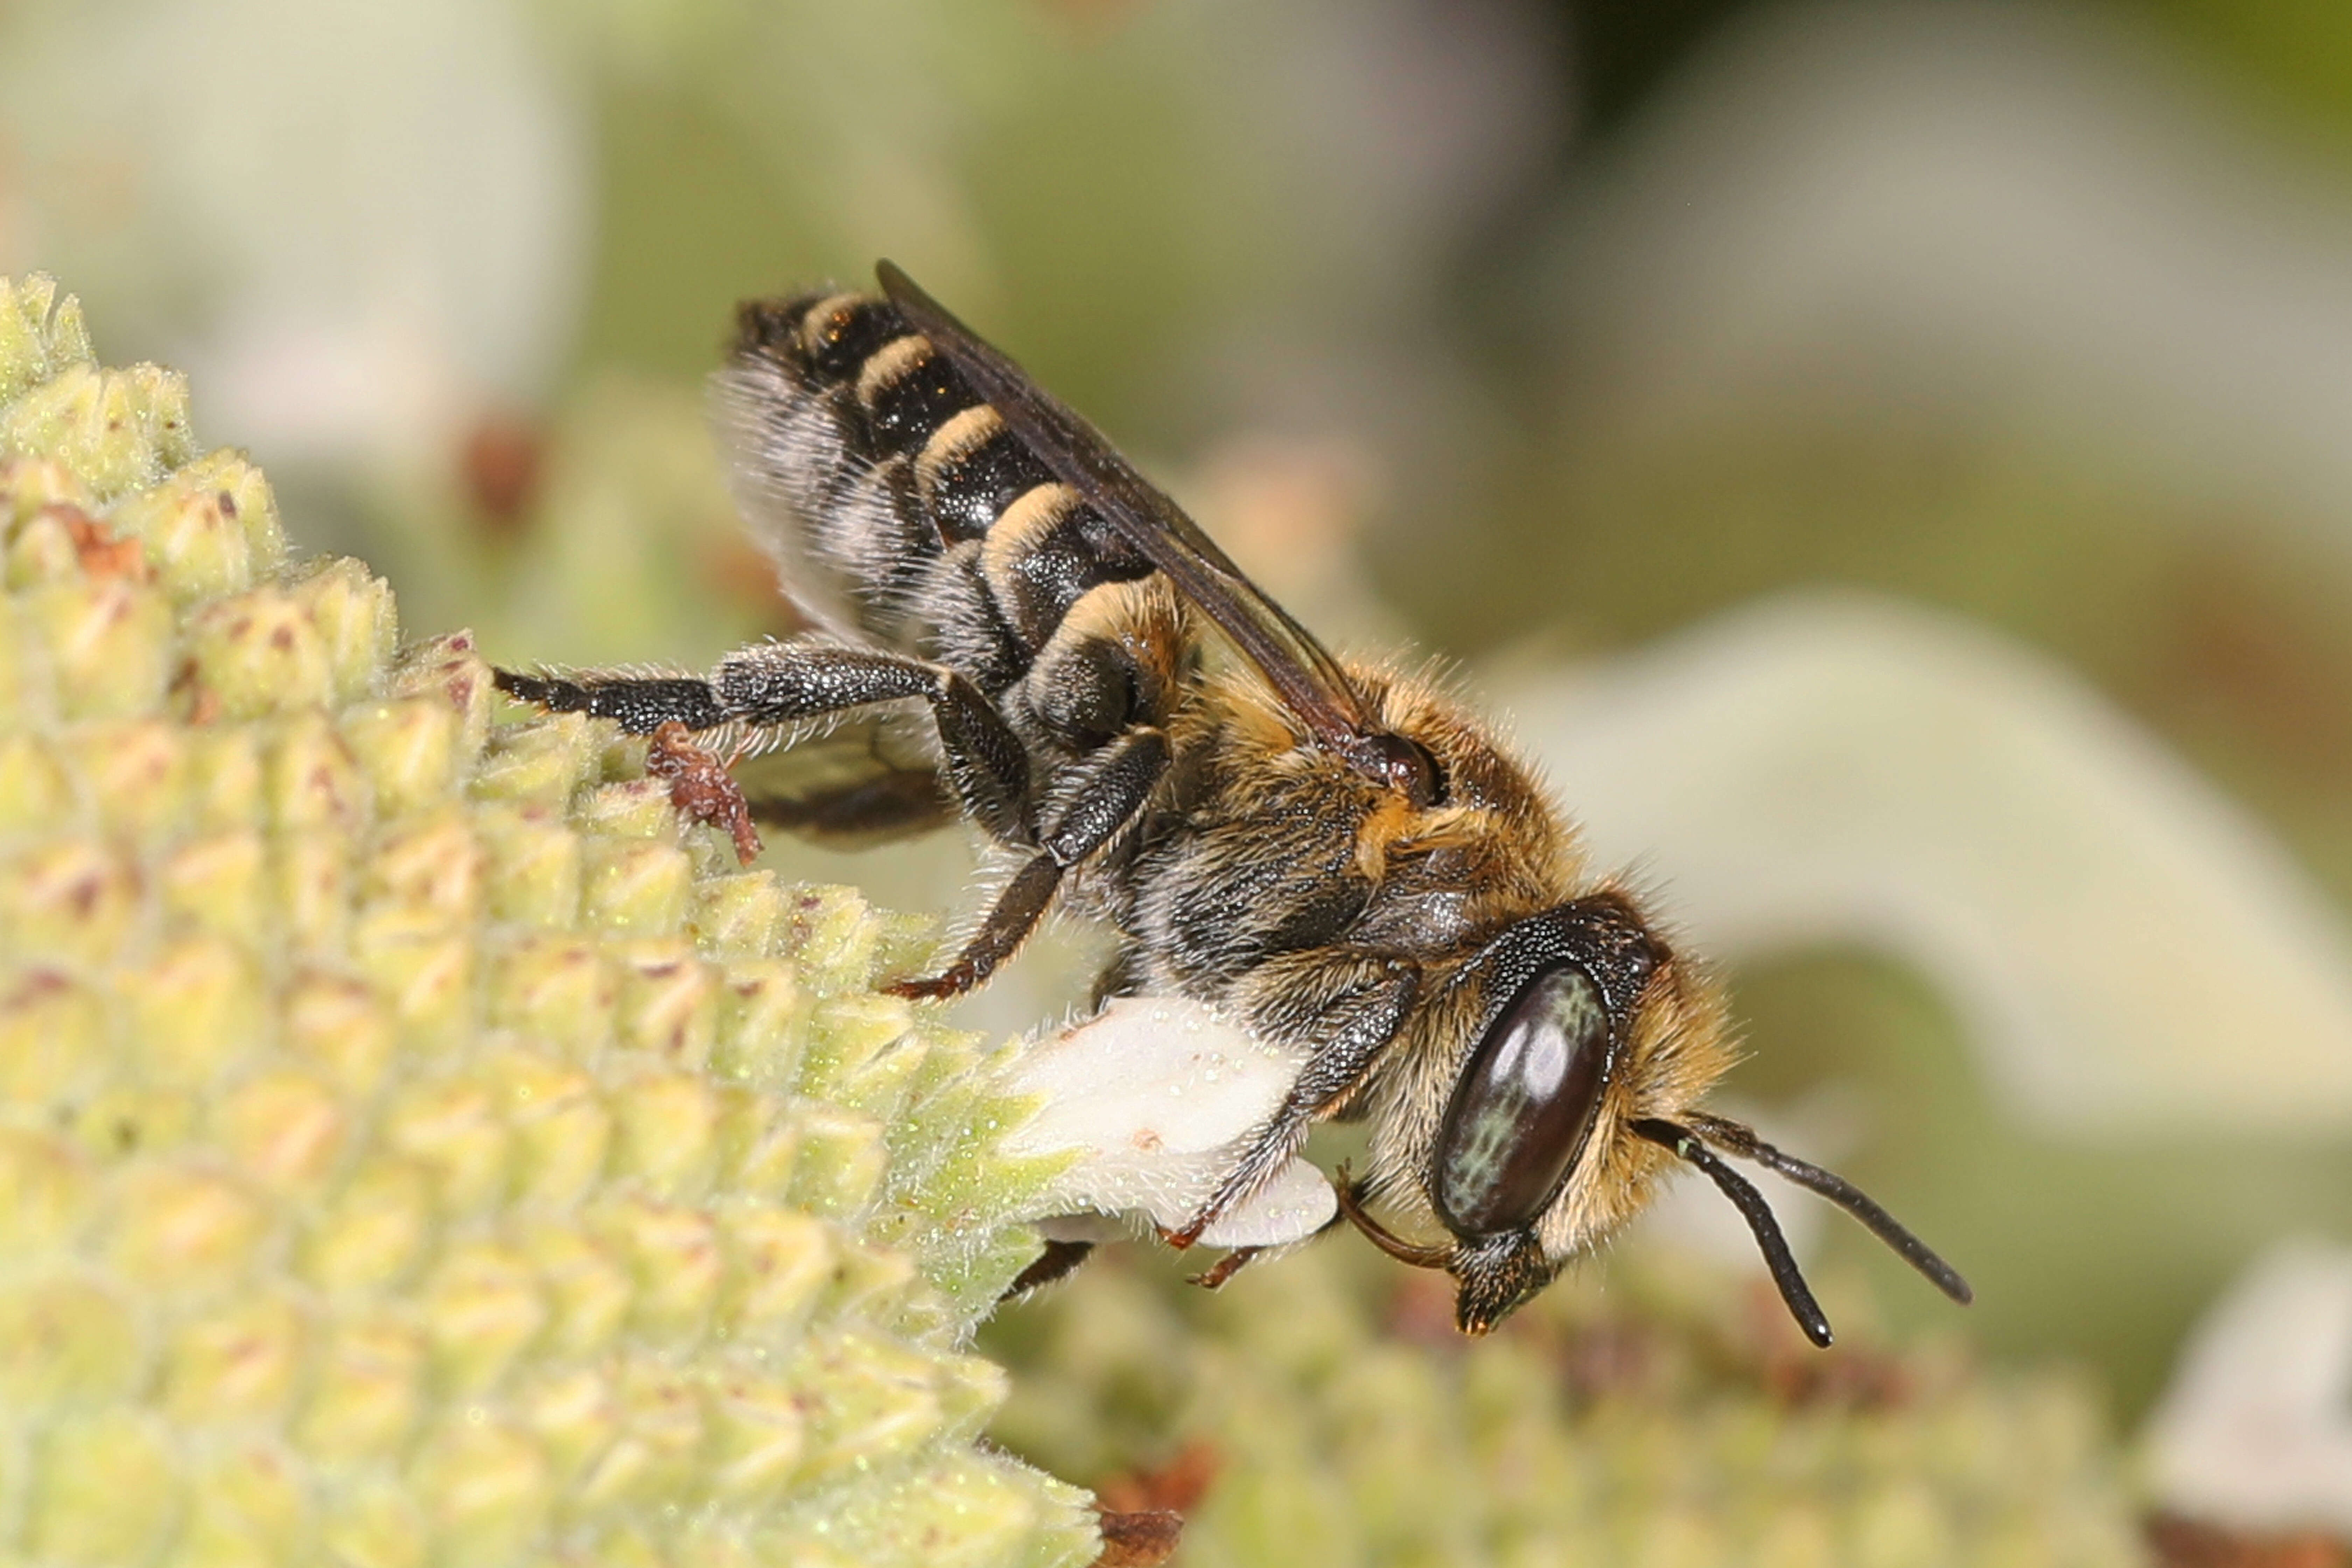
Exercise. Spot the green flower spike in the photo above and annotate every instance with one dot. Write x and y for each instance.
(416, 1146)
(1324, 1413)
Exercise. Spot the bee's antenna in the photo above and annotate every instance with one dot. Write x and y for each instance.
(1759, 1215)
(1735, 1138)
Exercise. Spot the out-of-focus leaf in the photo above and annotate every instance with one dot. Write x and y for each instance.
(2034, 223)
(2131, 949)
(359, 224)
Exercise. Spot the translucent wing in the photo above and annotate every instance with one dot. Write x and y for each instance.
(1307, 677)
(863, 783)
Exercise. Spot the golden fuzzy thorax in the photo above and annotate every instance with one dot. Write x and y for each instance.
(1441, 879)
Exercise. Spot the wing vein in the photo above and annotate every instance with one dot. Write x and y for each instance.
(1303, 674)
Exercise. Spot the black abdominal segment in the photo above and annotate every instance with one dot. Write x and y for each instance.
(968, 485)
(961, 560)
(930, 497)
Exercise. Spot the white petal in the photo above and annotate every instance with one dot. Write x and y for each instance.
(2132, 950)
(1160, 1097)
(2256, 1430)
(1292, 1206)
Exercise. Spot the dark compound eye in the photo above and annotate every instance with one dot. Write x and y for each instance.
(1425, 783)
(1524, 1106)
(1406, 766)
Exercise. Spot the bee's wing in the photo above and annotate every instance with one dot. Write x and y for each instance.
(1305, 677)
(864, 781)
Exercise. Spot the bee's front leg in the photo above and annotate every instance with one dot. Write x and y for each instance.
(1370, 996)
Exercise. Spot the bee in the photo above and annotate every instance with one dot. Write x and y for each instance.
(1013, 626)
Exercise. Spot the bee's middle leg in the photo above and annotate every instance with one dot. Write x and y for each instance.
(1118, 782)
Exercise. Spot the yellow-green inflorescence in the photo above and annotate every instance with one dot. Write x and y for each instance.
(416, 1146)
(1643, 1412)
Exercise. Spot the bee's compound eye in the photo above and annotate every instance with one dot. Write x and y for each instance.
(1429, 785)
(1524, 1106)
(1407, 767)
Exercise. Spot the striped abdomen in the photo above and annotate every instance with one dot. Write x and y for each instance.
(907, 508)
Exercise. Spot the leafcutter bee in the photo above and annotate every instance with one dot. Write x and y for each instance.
(1333, 854)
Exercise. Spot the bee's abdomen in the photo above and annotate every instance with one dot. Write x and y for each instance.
(901, 479)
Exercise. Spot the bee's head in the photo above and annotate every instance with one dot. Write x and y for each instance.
(1588, 1052)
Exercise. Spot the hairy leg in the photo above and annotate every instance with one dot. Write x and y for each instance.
(772, 684)
(1113, 789)
(1370, 997)
(1059, 1261)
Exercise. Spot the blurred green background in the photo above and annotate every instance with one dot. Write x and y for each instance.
(1529, 333)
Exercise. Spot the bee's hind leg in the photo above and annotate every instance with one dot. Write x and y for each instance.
(772, 684)
(639, 704)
